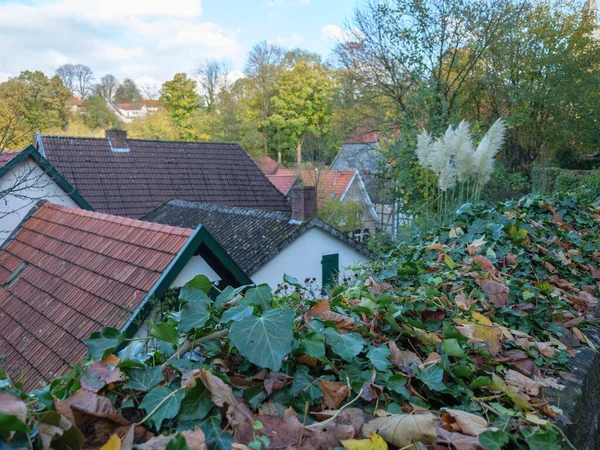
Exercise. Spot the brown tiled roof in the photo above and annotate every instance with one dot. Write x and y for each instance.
(282, 182)
(330, 183)
(134, 183)
(83, 271)
(77, 101)
(267, 165)
(7, 155)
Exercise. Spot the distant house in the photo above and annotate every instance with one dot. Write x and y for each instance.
(127, 112)
(66, 273)
(77, 105)
(267, 165)
(362, 152)
(131, 177)
(268, 245)
(25, 178)
(344, 185)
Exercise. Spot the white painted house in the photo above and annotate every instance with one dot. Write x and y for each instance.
(268, 245)
(127, 112)
(26, 178)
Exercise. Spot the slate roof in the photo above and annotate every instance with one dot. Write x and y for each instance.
(330, 183)
(134, 183)
(252, 237)
(266, 164)
(283, 183)
(82, 271)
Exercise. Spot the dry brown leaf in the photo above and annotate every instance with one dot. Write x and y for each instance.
(577, 332)
(343, 324)
(463, 301)
(101, 373)
(276, 382)
(497, 292)
(470, 424)
(371, 392)
(195, 440)
(486, 264)
(404, 429)
(402, 358)
(319, 308)
(334, 393)
(546, 348)
(457, 440)
(12, 405)
(522, 382)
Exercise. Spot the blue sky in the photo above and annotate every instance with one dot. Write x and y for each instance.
(151, 40)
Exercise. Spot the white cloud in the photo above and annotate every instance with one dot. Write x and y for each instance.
(293, 40)
(335, 33)
(4, 76)
(274, 3)
(128, 38)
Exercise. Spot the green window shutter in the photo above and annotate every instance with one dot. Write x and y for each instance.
(330, 267)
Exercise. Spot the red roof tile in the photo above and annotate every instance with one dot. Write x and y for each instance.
(84, 271)
(330, 183)
(282, 182)
(267, 165)
(77, 101)
(7, 155)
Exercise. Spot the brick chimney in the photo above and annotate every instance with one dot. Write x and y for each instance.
(117, 140)
(304, 202)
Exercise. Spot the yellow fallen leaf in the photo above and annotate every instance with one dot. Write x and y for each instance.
(481, 319)
(114, 443)
(535, 419)
(470, 424)
(404, 429)
(424, 336)
(481, 330)
(375, 442)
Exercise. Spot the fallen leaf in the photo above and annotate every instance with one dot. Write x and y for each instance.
(194, 439)
(371, 392)
(402, 358)
(343, 324)
(404, 429)
(486, 264)
(276, 382)
(114, 443)
(470, 424)
(463, 301)
(497, 292)
(546, 348)
(101, 373)
(522, 382)
(579, 334)
(319, 308)
(457, 440)
(333, 393)
(13, 406)
(375, 442)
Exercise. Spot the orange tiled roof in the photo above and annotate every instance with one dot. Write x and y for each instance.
(330, 183)
(282, 182)
(77, 101)
(267, 165)
(82, 271)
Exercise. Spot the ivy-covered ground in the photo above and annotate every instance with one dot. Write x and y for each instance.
(447, 343)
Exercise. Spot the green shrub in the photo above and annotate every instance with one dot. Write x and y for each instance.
(555, 181)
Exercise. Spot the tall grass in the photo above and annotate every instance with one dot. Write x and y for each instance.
(462, 169)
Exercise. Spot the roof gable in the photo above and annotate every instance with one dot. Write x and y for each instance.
(283, 183)
(251, 237)
(266, 164)
(330, 184)
(79, 271)
(10, 160)
(134, 183)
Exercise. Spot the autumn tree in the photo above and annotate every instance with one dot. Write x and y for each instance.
(301, 106)
(78, 78)
(128, 92)
(180, 99)
(97, 114)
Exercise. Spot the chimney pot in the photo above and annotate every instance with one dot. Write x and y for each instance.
(117, 140)
(304, 202)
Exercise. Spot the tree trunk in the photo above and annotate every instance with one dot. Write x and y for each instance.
(299, 153)
(279, 157)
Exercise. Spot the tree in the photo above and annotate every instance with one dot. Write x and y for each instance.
(78, 78)
(66, 72)
(301, 105)
(263, 68)
(97, 114)
(107, 88)
(213, 77)
(127, 92)
(32, 102)
(345, 217)
(154, 126)
(180, 99)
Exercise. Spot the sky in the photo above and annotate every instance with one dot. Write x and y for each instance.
(151, 40)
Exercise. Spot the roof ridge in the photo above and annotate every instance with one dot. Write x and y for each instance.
(240, 210)
(168, 229)
(91, 138)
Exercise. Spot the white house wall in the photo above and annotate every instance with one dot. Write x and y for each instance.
(20, 189)
(195, 266)
(302, 259)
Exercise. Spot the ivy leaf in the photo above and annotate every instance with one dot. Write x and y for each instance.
(237, 313)
(291, 280)
(265, 340)
(493, 440)
(194, 315)
(144, 379)
(547, 440)
(314, 345)
(177, 443)
(451, 347)
(346, 345)
(165, 332)
(379, 357)
(191, 294)
(211, 426)
(167, 410)
(432, 377)
(200, 282)
(261, 296)
(227, 295)
(9, 423)
(102, 343)
(196, 404)
(304, 382)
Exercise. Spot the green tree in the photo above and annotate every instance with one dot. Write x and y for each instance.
(97, 114)
(346, 217)
(301, 106)
(154, 126)
(127, 92)
(180, 99)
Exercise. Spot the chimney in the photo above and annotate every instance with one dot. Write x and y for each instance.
(304, 202)
(117, 140)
